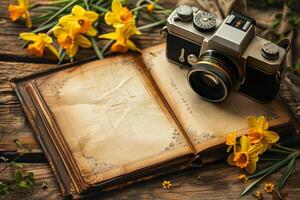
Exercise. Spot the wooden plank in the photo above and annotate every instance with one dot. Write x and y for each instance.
(215, 181)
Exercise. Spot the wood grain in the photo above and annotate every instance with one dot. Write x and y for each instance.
(216, 181)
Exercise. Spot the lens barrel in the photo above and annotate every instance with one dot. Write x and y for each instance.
(214, 76)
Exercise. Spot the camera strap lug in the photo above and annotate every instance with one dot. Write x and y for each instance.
(164, 32)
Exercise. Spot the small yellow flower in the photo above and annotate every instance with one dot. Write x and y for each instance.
(70, 42)
(243, 177)
(122, 35)
(119, 15)
(246, 156)
(82, 21)
(40, 41)
(20, 10)
(166, 184)
(269, 187)
(150, 7)
(258, 195)
(259, 134)
(231, 141)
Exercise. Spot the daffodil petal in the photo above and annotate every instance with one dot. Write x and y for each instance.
(245, 143)
(271, 136)
(91, 32)
(262, 122)
(132, 46)
(110, 18)
(83, 41)
(116, 6)
(29, 36)
(58, 31)
(112, 36)
(28, 20)
(252, 123)
(230, 159)
(78, 11)
(23, 3)
(92, 16)
(64, 20)
(71, 52)
(53, 50)
(255, 150)
(251, 167)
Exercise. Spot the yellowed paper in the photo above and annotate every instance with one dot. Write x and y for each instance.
(111, 119)
(205, 123)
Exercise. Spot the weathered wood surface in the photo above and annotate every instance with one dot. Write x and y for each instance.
(216, 181)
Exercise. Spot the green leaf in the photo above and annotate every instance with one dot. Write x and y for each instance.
(251, 186)
(23, 185)
(272, 167)
(290, 167)
(96, 49)
(18, 176)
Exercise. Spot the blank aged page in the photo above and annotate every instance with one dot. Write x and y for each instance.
(111, 118)
(205, 123)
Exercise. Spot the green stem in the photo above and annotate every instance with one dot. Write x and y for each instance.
(138, 8)
(96, 48)
(59, 12)
(152, 25)
(285, 148)
(278, 151)
(86, 3)
(273, 167)
(99, 8)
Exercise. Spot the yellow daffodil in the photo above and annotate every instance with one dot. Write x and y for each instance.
(70, 42)
(150, 7)
(40, 41)
(122, 35)
(258, 195)
(119, 15)
(20, 10)
(269, 187)
(246, 156)
(231, 141)
(259, 134)
(243, 177)
(82, 21)
(166, 184)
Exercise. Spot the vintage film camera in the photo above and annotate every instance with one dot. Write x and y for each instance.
(223, 56)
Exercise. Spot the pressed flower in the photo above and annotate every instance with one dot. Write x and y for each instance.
(166, 184)
(119, 15)
(258, 195)
(122, 35)
(269, 187)
(39, 41)
(246, 156)
(231, 141)
(82, 20)
(70, 42)
(259, 134)
(20, 10)
(150, 7)
(243, 177)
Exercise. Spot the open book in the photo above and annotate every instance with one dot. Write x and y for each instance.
(108, 123)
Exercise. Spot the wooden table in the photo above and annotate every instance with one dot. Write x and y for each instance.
(215, 181)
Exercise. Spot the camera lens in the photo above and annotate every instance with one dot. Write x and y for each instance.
(213, 76)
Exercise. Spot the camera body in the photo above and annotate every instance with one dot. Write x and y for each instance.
(223, 56)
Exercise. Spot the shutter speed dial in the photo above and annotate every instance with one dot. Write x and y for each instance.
(204, 21)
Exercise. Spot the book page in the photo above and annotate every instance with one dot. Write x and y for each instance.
(111, 117)
(205, 123)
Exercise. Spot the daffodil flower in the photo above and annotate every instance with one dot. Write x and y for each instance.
(122, 35)
(259, 134)
(246, 156)
(70, 42)
(40, 42)
(231, 141)
(20, 10)
(119, 15)
(150, 7)
(82, 21)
